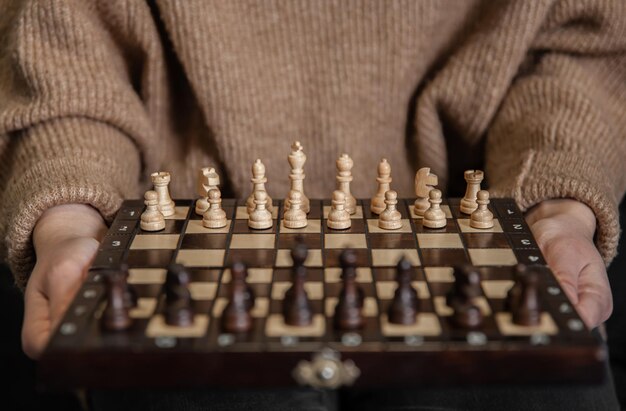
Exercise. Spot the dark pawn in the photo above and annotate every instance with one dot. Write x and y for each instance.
(514, 293)
(466, 285)
(405, 303)
(527, 310)
(467, 315)
(130, 294)
(296, 305)
(348, 315)
(239, 269)
(116, 316)
(178, 310)
(236, 316)
(177, 276)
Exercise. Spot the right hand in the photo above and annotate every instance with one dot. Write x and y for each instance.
(66, 238)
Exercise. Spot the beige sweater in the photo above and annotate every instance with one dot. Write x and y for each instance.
(95, 95)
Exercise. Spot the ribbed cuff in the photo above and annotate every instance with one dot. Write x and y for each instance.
(546, 175)
(85, 162)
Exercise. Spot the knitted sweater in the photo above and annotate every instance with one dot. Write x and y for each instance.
(96, 95)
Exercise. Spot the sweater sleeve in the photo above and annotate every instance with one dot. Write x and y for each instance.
(74, 121)
(560, 131)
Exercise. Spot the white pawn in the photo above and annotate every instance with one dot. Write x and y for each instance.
(161, 181)
(338, 216)
(434, 217)
(152, 219)
(482, 217)
(384, 184)
(260, 218)
(295, 217)
(344, 176)
(390, 218)
(258, 181)
(214, 216)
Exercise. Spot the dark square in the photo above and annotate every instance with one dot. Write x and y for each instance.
(333, 289)
(443, 257)
(241, 227)
(171, 227)
(389, 274)
(316, 210)
(149, 258)
(451, 227)
(357, 227)
(485, 240)
(332, 257)
(396, 240)
(204, 241)
(205, 275)
(259, 290)
(496, 273)
(439, 289)
(285, 274)
(288, 241)
(147, 290)
(260, 258)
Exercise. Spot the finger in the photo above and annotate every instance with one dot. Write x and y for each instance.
(36, 325)
(595, 300)
(64, 280)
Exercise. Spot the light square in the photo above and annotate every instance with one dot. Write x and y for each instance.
(372, 227)
(497, 288)
(196, 227)
(158, 328)
(255, 275)
(314, 226)
(464, 225)
(427, 324)
(252, 241)
(386, 289)
(506, 326)
(242, 213)
(439, 274)
(345, 241)
(357, 215)
(439, 240)
(155, 242)
(313, 259)
(445, 310)
(260, 309)
(390, 257)
(445, 208)
(276, 327)
(370, 308)
(146, 275)
(314, 289)
(492, 256)
(202, 290)
(180, 213)
(201, 258)
(333, 275)
(145, 308)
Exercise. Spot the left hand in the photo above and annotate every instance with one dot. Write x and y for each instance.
(564, 231)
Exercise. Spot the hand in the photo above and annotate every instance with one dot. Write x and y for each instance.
(66, 239)
(564, 230)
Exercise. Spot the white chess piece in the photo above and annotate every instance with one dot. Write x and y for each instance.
(481, 217)
(377, 205)
(296, 159)
(152, 219)
(258, 181)
(260, 218)
(424, 182)
(344, 177)
(390, 218)
(208, 179)
(215, 216)
(434, 217)
(161, 180)
(338, 216)
(473, 179)
(295, 217)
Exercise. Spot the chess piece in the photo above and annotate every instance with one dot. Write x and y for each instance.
(260, 218)
(434, 217)
(161, 181)
(384, 184)
(390, 219)
(404, 306)
(297, 309)
(176, 276)
(424, 182)
(208, 180)
(152, 219)
(338, 216)
(116, 315)
(466, 284)
(296, 159)
(344, 177)
(348, 312)
(258, 184)
(473, 179)
(240, 270)
(130, 294)
(178, 309)
(527, 310)
(236, 317)
(215, 216)
(467, 314)
(295, 217)
(514, 293)
(482, 217)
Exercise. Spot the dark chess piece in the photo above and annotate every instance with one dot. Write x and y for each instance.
(116, 314)
(130, 294)
(236, 317)
(527, 310)
(178, 310)
(177, 276)
(405, 303)
(466, 284)
(467, 315)
(239, 269)
(513, 295)
(348, 314)
(297, 309)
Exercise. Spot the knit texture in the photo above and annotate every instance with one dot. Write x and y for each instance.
(96, 95)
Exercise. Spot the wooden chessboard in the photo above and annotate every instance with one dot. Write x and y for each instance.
(152, 353)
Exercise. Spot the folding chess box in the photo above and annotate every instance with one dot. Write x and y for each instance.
(82, 353)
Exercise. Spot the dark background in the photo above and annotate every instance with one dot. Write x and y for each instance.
(19, 391)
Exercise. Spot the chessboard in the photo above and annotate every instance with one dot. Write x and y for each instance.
(433, 350)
